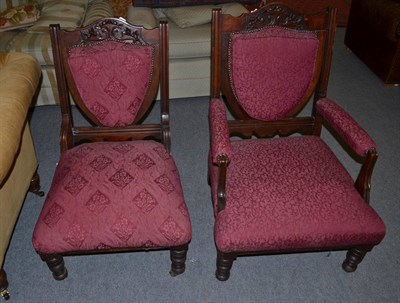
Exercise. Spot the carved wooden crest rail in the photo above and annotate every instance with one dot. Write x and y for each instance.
(275, 15)
(111, 29)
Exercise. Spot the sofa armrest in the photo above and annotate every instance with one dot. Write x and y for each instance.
(142, 16)
(347, 128)
(19, 79)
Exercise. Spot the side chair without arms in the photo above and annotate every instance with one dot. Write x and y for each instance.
(278, 188)
(116, 185)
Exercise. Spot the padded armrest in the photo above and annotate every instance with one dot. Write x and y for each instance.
(19, 78)
(350, 131)
(142, 16)
(219, 131)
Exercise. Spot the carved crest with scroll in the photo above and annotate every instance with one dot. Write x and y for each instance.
(276, 15)
(111, 29)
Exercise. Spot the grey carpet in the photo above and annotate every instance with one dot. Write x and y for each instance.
(306, 277)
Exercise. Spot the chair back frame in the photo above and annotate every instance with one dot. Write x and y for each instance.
(280, 16)
(111, 29)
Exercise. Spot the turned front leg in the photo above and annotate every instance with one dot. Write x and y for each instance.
(178, 259)
(354, 257)
(224, 265)
(56, 265)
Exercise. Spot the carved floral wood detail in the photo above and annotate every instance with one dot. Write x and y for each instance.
(112, 29)
(275, 15)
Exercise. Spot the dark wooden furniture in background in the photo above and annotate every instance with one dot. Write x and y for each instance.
(272, 192)
(373, 35)
(116, 186)
(316, 6)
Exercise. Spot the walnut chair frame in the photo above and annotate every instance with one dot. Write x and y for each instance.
(274, 15)
(117, 30)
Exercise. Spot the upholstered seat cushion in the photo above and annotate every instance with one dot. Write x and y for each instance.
(113, 195)
(288, 193)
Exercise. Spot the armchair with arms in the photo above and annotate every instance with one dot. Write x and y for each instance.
(273, 191)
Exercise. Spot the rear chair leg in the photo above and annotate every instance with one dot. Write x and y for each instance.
(56, 265)
(354, 257)
(178, 259)
(34, 187)
(3, 285)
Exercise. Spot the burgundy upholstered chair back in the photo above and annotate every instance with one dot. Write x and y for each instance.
(112, 79)
(270, 66)
(280, 65)
(113, 71)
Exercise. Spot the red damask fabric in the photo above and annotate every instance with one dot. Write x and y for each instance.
(112, 79)
(113, 195)
(289, 193)
(279, 76)
(354, 135)
(219, 131)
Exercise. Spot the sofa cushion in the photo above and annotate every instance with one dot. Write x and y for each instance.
(172, 3)
(142, 16)
(98, 9)
(195, 43)
(19, 16)
(187, 16)
(6, 4)
(68, 14)
(120, 7)
(37, 45)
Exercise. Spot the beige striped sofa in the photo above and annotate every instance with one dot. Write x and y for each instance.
(189, 38)
(35, 40)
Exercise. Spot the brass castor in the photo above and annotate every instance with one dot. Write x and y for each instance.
(5, 294)
(173, 274)
(3, 285)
